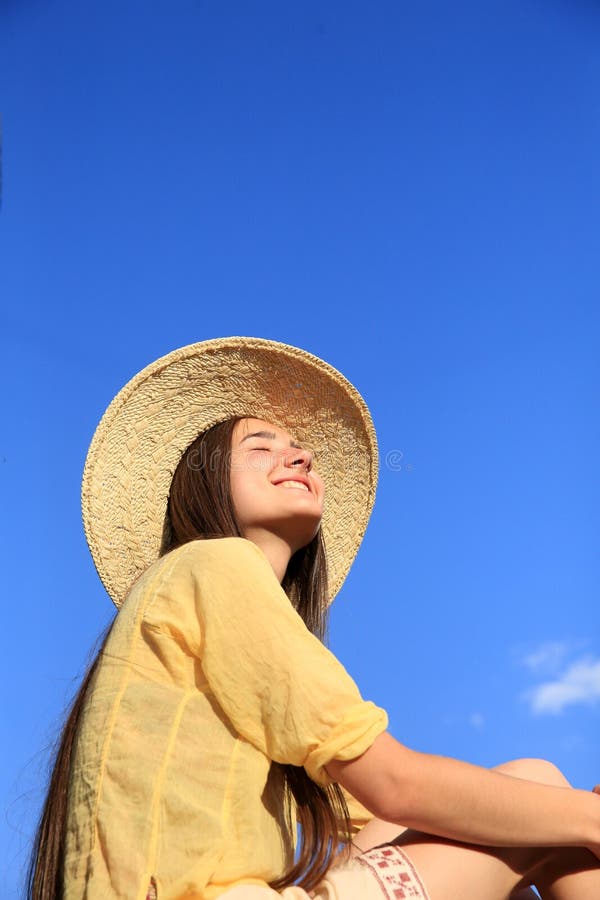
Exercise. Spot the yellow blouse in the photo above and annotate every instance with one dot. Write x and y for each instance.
(208, 675)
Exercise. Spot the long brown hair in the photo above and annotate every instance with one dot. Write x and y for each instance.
(45, 875)
(200, 506)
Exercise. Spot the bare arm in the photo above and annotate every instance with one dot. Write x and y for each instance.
(457, 800)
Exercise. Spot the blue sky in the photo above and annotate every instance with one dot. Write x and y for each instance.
(409, 191)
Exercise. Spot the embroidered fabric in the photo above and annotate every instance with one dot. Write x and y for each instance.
(394, 872)
(382, 873)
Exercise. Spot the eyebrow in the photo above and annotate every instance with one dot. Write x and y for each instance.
(270, 435)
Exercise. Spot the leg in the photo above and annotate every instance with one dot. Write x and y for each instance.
(455, 871)
(569, 873)
(573, 874)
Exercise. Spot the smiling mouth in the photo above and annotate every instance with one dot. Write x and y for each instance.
(293, 484)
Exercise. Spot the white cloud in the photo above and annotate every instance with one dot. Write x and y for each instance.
(547, 658)
(580, 683)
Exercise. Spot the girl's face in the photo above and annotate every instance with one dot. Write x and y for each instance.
(273, 485)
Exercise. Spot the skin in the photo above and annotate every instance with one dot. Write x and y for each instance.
(280, 520)
(503, 829)
(526, 831)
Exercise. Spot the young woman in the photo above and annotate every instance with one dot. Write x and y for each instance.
(225, 495)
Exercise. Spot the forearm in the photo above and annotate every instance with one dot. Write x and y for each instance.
(467, 803)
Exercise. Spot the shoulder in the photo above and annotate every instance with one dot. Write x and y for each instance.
(214, 557)
(185, 581)
(206, 558)
(225, 548)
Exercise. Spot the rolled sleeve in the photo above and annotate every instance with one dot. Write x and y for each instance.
(354, 734)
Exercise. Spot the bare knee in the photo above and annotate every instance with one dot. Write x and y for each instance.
(534, 770)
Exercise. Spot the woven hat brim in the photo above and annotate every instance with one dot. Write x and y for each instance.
(158, 413)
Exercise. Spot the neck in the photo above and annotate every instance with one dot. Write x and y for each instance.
(277, 550)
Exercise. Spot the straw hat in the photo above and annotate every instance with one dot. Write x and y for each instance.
(156, 416)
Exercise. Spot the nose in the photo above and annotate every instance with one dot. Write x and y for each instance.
(299, 458)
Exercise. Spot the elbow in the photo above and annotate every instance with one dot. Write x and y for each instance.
(380, 779)
(391, 800)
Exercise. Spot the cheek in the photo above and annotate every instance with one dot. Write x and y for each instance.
(237, 487)
(244, 489)
(320, 485)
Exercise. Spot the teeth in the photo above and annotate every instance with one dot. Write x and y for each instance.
(293, 484)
